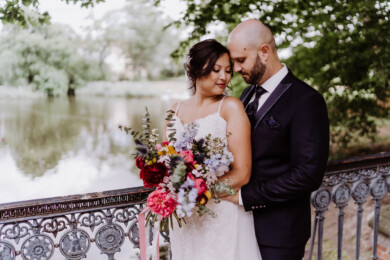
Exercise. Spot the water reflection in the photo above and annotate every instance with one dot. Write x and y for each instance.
(54, 147)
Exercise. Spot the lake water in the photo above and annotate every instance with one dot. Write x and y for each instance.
(61, 146)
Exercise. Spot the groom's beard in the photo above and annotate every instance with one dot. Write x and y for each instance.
(256, 73)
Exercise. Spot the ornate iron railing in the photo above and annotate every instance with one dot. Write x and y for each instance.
(34, 229)
(67, 227)
(358, 178)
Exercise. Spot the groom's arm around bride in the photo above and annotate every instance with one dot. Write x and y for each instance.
(290, 143)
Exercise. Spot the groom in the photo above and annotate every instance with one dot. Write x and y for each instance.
(290, 143)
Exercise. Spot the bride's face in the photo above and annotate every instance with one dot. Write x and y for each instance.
(217, 80)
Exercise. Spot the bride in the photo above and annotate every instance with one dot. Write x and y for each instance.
(230, 235)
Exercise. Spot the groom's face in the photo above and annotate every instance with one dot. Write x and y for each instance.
(256, 73)
(247, 63)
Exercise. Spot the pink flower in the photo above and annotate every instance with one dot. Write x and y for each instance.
(200, 185)
(159, 146)
(187, 156)
(161, 203)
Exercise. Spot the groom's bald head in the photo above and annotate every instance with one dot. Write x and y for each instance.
(252, 48)
(251, 34)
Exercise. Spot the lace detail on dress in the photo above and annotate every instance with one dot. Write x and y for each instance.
(229, 236)
(212, 124)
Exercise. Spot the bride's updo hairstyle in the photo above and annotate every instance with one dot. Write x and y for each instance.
(201, 60)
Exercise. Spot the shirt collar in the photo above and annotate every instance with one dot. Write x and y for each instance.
(271, 83)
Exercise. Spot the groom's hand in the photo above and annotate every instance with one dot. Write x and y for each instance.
(232, 198)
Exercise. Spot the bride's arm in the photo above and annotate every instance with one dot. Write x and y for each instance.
(239, 141)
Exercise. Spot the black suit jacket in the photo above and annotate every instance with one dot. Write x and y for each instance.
(290, 146)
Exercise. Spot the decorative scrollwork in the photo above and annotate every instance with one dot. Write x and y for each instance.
(127, 215)
(54, 226)
(360, 191)
(7, 251)
(388, 183)
(369, 173)
(341, 194)
(378, 188)
(91, 220)
(75, 244)
(321, 199)
(38, 247)
(332, 180)
(385, 171)
(352, 177)
(109, 238)
(15, 232)
(133, 234)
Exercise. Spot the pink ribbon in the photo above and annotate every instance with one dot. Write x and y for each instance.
(142, 234)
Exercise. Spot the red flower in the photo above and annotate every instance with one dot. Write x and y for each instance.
(159, 146)
(200, 185)
(153, 174)
(139, 162)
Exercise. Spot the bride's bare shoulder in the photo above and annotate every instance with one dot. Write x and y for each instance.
(232, 103)
(232, 108)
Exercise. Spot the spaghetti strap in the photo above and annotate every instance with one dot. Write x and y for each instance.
(177, 108)
(220, 104)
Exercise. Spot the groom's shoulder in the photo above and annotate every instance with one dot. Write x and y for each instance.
(302, 88)
(305, 95)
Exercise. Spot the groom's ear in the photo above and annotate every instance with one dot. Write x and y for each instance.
(264, 52)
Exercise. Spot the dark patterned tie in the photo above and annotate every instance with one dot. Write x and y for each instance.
(252, 107)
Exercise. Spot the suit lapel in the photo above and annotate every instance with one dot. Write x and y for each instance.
(247, 96)
(272, 99)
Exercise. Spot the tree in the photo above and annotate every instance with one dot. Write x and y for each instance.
(18, 10)
(137, 32)
(341, 48)
(46, 56)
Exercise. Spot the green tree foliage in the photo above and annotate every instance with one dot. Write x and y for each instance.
(12, 11)
(137, 32)
(46, 56)
(340, 47)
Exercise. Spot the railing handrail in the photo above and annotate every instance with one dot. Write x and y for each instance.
(55, 206)
(358, 163)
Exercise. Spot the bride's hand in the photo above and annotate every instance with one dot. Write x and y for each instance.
(231, 198)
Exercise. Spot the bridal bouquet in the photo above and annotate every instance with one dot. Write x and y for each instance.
(184, 171)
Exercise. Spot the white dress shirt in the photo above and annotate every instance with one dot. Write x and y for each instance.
(269, 85)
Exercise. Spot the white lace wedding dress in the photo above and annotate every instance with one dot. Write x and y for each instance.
(229, 236)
